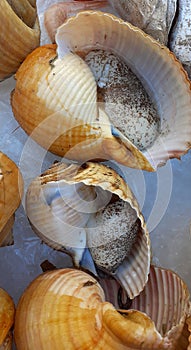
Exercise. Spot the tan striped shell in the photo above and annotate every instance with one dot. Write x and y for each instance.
(66, 309)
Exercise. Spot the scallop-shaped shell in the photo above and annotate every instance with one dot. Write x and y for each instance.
(19, 34)
(66, 309)
(7, 314)
(76, 207)
(11, 186)
(55, 99)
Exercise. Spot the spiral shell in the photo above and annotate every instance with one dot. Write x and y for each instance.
(11, 187)
(74, 207)
(66, 309)
(19, 34)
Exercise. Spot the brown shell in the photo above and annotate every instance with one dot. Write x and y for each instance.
(7, 313)
(11, 187)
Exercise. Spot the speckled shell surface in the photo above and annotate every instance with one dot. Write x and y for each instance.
(11, 187)
(19, 34)
(55, 98)
(158, 69)
(62, 220)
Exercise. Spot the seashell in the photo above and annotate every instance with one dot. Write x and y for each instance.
(65, 125)
(7, 313)
(180, 41)
(66, 309)
(154, 17)
(165, 299)
(11, 186)
(19, 34)
(123, 96)
(57, 13)
(74, 207)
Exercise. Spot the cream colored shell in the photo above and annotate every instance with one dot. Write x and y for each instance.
(64, 205)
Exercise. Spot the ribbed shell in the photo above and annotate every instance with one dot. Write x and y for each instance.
(158, 69)
(55, 102)
(19, 34)
(66, 309)
(165, 299)
(60, 221)
(7, 313)
(11, 186)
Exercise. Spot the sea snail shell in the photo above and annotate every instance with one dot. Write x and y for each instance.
(55, 99)
(11, 187)
(66, 309)
(19, 34)
(74, 207)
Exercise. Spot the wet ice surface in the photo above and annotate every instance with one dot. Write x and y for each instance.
(164, 197)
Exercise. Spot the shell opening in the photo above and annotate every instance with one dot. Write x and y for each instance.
(112, 233)
(125, 100)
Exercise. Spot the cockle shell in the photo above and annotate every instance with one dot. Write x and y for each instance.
(19, 34)
(55, 99)
(7, 313)
(66, 309)
(11, 187)
(74, 207)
